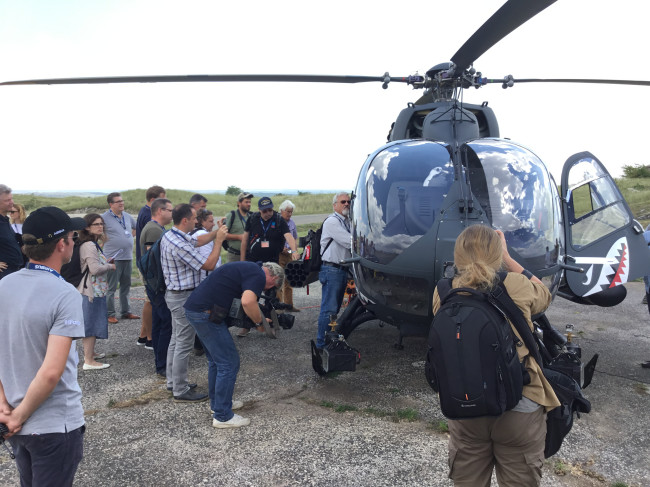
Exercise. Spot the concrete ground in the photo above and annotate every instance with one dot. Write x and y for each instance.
(378, 426)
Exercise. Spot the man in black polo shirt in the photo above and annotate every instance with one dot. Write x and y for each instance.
(241, 280)
(11, 258)
(265, 234)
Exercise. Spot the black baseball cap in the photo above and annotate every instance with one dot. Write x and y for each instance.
(49, 223)
(265, 203)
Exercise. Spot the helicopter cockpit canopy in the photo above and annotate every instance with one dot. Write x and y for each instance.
(401, 195)
(519, 197)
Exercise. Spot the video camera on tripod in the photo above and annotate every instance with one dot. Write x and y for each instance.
(269, 306)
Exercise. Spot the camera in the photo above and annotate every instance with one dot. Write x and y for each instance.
(269, 305)
(4, 430)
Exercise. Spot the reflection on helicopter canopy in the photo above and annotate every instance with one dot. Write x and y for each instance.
(519, 197)
(405, 186)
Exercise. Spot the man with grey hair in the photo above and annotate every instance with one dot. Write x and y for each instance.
(335, 244)
(11, 258)
(207, 308)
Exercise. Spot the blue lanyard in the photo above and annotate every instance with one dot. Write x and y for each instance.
(122, 221)
(266, 228)
(41, 267)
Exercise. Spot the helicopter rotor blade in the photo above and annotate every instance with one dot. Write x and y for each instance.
(508, 81)
(510, 16)
(295, 78)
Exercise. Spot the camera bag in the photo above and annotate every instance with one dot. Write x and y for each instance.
(472, 359)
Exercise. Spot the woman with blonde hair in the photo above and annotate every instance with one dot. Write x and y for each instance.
(513, 442)
(17, 217)
(93, 288)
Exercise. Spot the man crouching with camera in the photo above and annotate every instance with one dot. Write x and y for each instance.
(207, 310)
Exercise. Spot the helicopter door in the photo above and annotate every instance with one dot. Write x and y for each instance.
(602, 236)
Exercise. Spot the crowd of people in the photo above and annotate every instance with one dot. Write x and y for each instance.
(40, 398)
(39, 392)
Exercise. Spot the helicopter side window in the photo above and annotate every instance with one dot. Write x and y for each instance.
(405, 186)
(595, 204)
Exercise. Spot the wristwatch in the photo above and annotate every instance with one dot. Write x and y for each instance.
(290, 251)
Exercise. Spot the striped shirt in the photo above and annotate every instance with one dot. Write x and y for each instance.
(181, 260)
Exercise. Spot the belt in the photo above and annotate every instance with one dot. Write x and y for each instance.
(174, 291)
(332, 264)
(236, 252)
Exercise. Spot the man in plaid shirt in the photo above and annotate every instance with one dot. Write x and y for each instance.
(181, 264)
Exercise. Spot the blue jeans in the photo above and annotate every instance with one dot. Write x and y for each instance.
(334, 281)
(223, 362)
(50, 459)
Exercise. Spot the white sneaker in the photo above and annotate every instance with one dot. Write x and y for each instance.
(235, 422)
(235, 405)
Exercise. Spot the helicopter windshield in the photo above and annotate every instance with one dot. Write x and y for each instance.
(405, 185)
(519, 198)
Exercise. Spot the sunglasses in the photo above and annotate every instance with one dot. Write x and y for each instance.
(345, 202)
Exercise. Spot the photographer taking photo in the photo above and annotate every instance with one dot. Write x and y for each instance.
(207, 310)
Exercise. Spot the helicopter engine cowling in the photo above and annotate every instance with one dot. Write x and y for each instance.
(449, 123)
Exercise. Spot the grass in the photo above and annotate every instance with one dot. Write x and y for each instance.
(219, 203)
(441, 426)
(407, 414)
(561, 468)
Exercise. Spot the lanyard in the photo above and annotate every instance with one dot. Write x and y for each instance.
(266, 228)
(344, 222)
(122, 221)
(41, 267)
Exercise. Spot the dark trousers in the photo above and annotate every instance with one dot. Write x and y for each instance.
(48, 460)
(161, 330)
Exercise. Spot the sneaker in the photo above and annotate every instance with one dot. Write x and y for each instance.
(148, 345)
(141, 341)
(191, 396)
(191, 385)
(645, 299)
(243, 332)
(646, 365)
(235, 422)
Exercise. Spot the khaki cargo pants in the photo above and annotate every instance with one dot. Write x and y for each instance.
(512, 442)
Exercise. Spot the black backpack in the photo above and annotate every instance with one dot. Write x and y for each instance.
(472, 360)
(71, 271)
(313, 255)
(150, 266)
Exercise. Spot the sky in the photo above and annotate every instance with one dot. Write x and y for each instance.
(272, 136)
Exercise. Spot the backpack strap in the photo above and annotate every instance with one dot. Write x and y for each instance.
(505, 303)
(331, 239)
(232, 220)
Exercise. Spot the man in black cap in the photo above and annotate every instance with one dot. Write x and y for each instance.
(40, 398)
(265, 234)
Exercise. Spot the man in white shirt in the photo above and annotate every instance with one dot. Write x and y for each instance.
(335, 246)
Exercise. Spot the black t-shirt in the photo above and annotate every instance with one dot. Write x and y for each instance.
(226, 283)
(259, 232)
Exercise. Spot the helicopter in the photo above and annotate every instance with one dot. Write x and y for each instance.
(445, 167)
